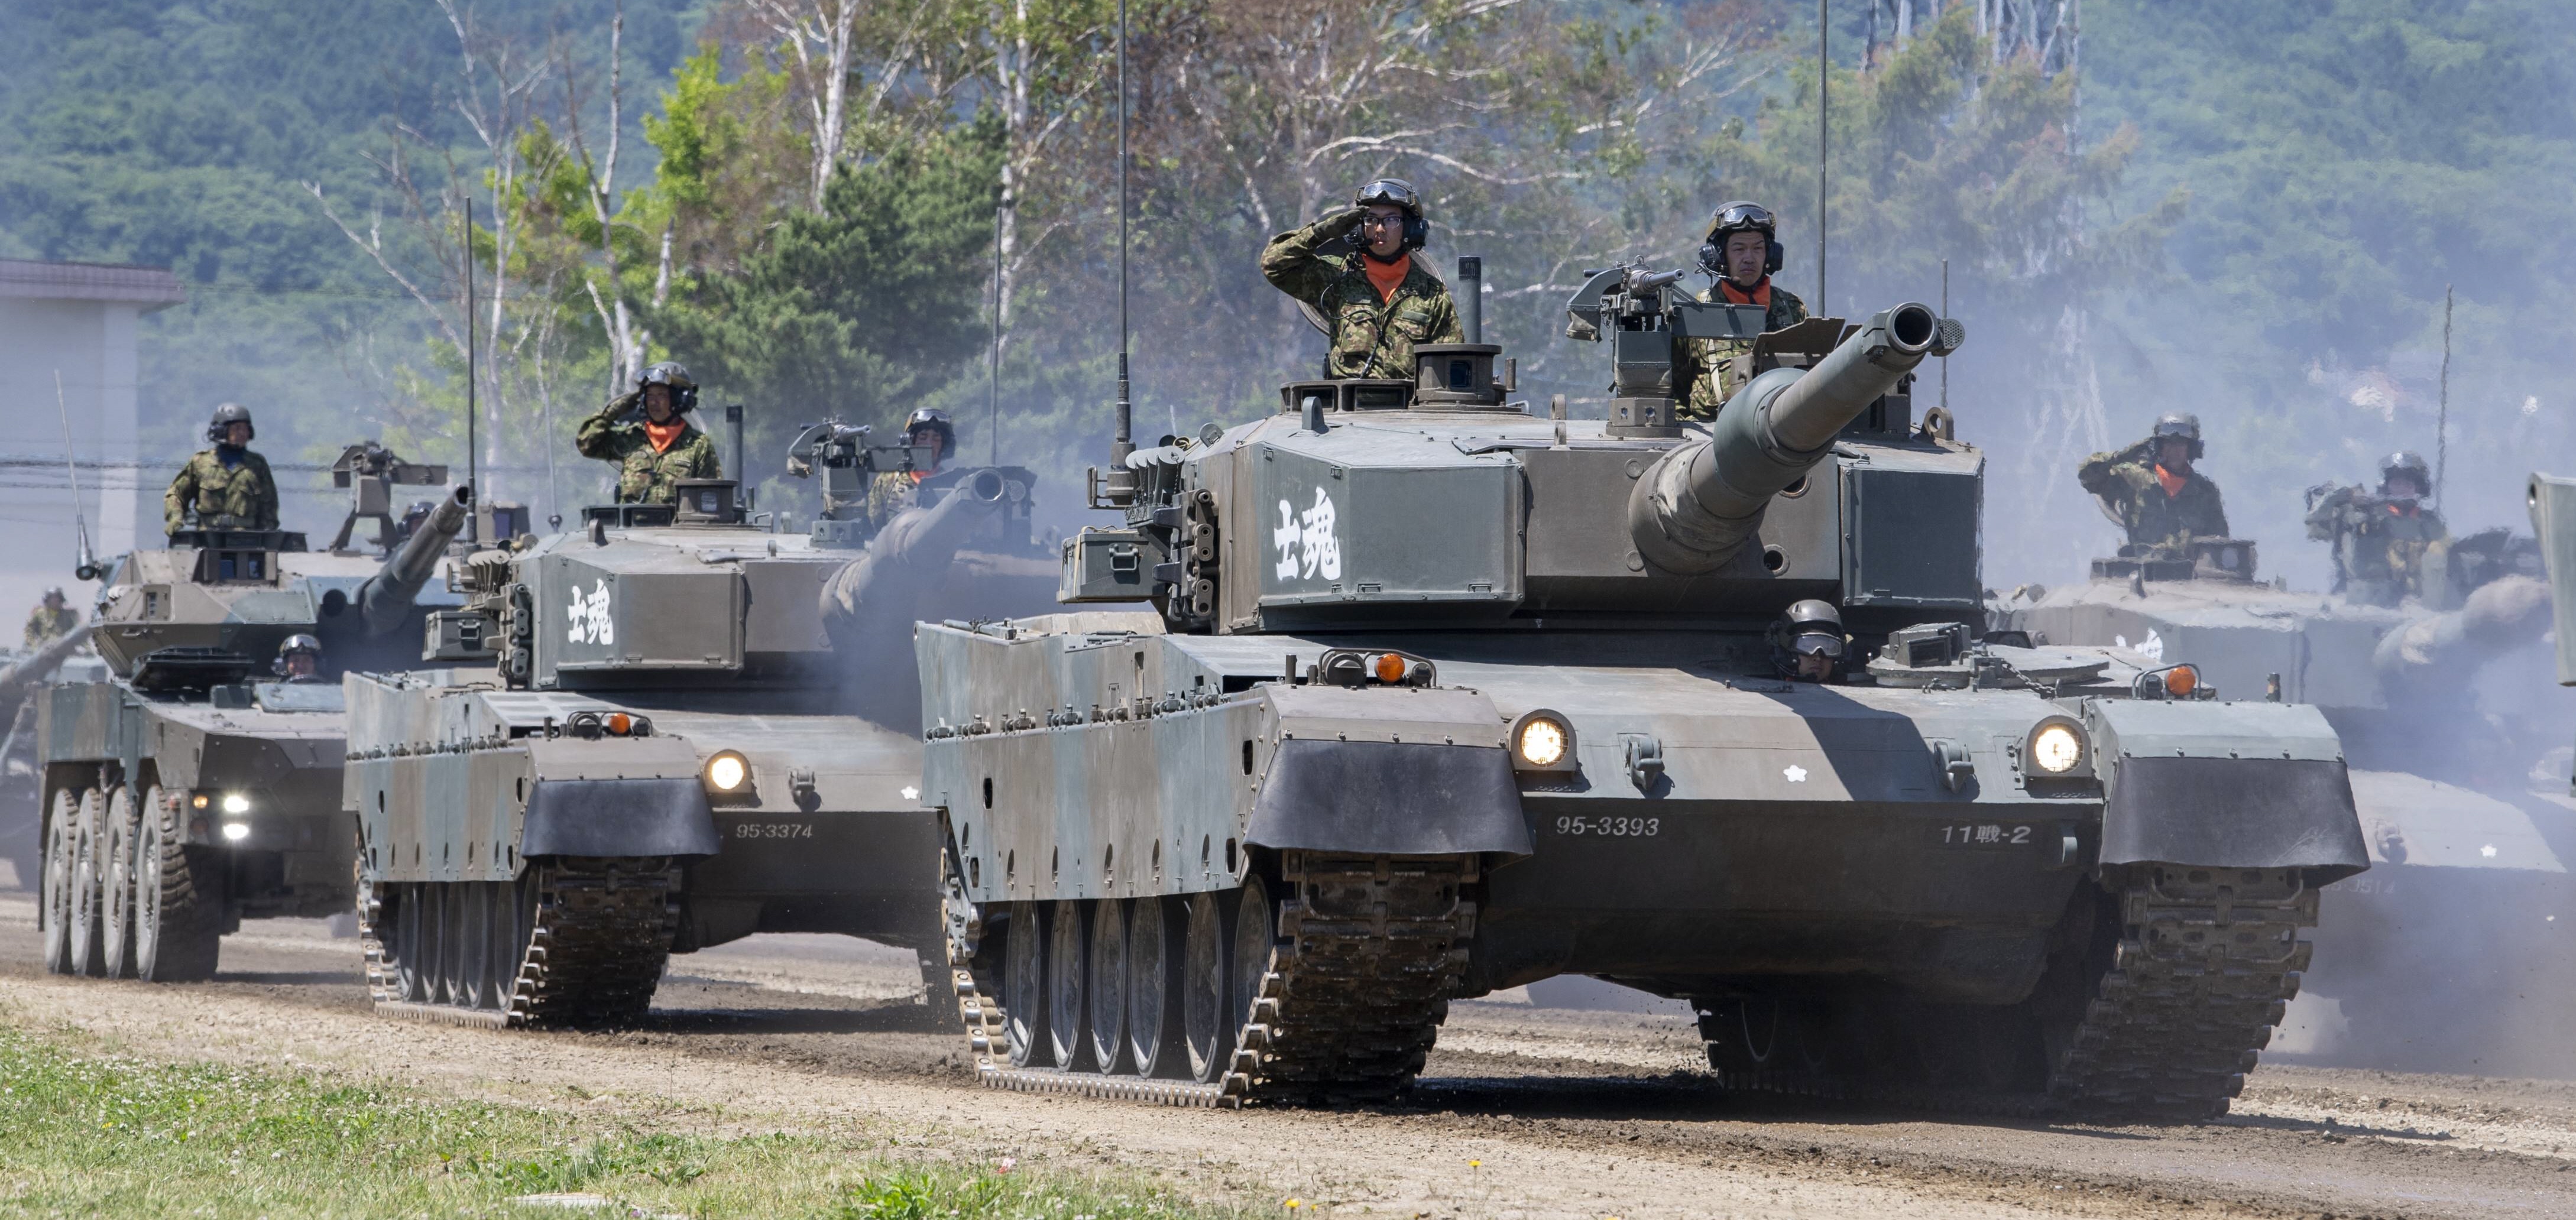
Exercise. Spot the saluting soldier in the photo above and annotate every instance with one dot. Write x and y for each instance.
(1742, 253)
(1375, 302)
(896, 490)
(227, 487)
(2151, 489)
(646, 431)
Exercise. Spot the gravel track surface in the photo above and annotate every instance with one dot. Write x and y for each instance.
(1524, 1112)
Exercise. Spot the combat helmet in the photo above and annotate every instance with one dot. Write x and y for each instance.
(2411, 464)
(300, 642)
(1809, 628)
(2182, 424)
(226, 415)
(937, 421)
(1398, 193)
(1741, 216)
(684, 390)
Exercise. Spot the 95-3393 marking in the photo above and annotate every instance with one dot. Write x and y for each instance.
(1610, 827)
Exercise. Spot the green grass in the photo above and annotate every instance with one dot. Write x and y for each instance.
(84, 1131)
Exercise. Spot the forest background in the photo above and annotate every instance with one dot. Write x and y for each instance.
(2247, 209)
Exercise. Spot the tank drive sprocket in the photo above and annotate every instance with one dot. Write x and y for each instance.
(571, 944)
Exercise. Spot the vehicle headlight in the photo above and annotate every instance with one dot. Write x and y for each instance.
(2056, 748)
(728, 771)
(1542, 741)
(235, 802)
(236, 831)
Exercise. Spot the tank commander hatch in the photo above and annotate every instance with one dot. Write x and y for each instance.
(51, 620)
(2386, 546)
(2152, 491)
(1374, 301)
(227, 487)
(1741, 254)
(894, 490)
(1807, 642)
(646, 431)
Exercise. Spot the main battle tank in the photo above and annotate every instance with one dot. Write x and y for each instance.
(1437, 698)
(189, 790)
(2468, 887)
(640, 739)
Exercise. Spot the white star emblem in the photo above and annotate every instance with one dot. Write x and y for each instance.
(911, 793)
(2488, 851)
(1795, 773)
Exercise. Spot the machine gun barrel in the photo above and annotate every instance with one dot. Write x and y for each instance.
(385, 600)
(1699, 505)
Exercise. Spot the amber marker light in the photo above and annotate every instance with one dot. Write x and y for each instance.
(1388, 667)
(2181, 681)
(620, 724)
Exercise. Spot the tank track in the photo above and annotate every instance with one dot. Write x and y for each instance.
(1366, 953)
(594, 952)
(2177, 1000)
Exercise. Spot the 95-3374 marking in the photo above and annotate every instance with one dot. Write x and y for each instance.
(774, 830)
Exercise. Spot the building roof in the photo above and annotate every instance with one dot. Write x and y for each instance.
(151, 287)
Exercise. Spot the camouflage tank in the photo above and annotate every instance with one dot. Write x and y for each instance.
(1436, 698)
(640, 739)
(2468, 882)
(189, 790)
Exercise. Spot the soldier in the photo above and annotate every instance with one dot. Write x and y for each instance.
(299, 659)
(227, 487)
(1807, 642)
(893, 490)
(51, 620)
(657, 450)
(2152, 491)
(1741, 254)
(2387, 547)
(1374, 301)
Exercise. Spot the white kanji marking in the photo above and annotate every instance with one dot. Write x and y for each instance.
(1990, 834)
(1308, 546)
(587, 618)
(1285, 538)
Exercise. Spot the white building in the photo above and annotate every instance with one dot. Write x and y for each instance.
(76, 321)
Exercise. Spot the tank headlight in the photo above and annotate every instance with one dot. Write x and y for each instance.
(235, 832)
(2056, 748)
(728, 771)
(1542, 741)
(235, 802)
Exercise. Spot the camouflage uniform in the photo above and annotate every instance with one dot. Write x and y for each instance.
(645, 477)
(241, 498)
(2126, 483)
(46, 626)
(2383, 552)
(1713, 377)
(1370, 337)
(889, 494)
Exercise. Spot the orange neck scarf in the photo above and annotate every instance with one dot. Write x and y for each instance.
(1761, 294)
(664, 436)
(1386, 277)
(2172, 483)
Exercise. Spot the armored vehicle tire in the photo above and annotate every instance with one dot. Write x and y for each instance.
(571, 943)
(119, 882)
(2166, 987)
(62, 835)
(178, 898)
(1330, 993)
(88, 932)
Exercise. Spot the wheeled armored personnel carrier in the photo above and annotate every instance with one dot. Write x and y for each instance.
(2469, 885)
(194, 787)
(1436, 698)
(642, 738)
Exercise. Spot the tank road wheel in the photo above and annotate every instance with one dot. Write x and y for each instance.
(1065, 975)
(1152, 1018)
(1109, 986)
(1207, 1036)
(1256, 933)
(62, 837)
(89, 913)
(1762, 1041)
(120, 880)
(1024, 985)
(178, 899)
(411, 983)
(573, 943)
(513, 916)
(469, 945)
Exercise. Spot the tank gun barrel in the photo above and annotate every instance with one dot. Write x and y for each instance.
(914, 546)
(26, 670)
(385, 600)
(1694, 509)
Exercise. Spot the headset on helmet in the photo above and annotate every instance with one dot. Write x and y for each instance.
(1399, 193)
(2176, 423)
(1741, 216)
(937, 421)
(226, 415)
(2408, 462)
(684, 390)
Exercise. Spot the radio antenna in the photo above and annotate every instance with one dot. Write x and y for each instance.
(470, 412)
(84, 564)
(1122, 481)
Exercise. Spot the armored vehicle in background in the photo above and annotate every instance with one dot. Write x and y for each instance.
(189, 789)
(2469, 887)
(641, 738)
(1436, 698)
(21, 786)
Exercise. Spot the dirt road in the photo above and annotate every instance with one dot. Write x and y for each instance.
(1524, 1112)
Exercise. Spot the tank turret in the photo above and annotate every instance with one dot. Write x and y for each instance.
(385, 601)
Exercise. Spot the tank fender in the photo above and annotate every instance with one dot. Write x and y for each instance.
(2228, 785)
(617, 798)
(1387, 771)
